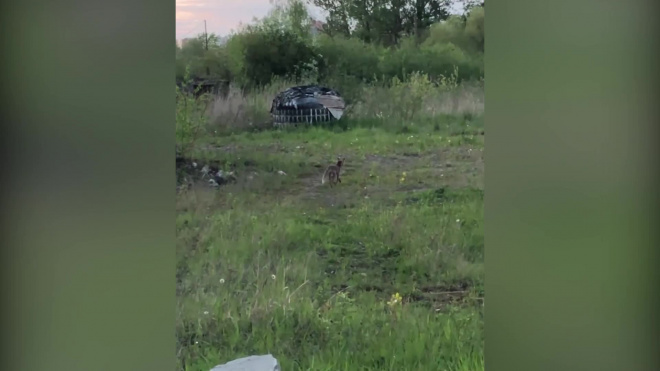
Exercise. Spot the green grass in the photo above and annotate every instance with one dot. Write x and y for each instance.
(280, 264)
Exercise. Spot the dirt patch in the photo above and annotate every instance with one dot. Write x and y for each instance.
(443, 195)
(215, 148)
(439, 297)
(394, 162)
(311, 189)
(455, 167)
(458, 166)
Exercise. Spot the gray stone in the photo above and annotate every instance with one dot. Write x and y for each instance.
(252, 363)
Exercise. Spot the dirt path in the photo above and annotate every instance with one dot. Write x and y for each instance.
(456, 167)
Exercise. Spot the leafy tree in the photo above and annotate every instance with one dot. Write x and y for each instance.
(277, 45)
(383, 21)
(474, 27)
(421, 14)
(338, 21)
(468, 5)
(291, 15)
(204, 57)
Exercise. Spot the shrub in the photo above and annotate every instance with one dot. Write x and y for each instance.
(191, 118)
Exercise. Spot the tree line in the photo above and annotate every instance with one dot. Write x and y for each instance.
(362, 41)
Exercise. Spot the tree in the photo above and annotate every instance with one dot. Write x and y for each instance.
(394, 14)
(338, 21)
(365, 12)
(383, 21)
(274, 52)
(469, 4)
(421, 14)
(291, 15)
(203, 56)
(474, 27)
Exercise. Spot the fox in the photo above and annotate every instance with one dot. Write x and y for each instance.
(331, 174)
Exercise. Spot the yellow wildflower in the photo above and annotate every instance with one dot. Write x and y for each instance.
(395, 299)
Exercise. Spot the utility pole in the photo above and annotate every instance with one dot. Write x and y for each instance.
(206, 37)
(206, 46)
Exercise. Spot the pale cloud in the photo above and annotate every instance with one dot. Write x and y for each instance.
(189, 3)
(184, 15)
(221, 16)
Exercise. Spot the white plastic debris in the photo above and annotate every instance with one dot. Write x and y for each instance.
(252, 363)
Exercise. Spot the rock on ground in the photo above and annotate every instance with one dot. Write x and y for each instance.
(252, 363)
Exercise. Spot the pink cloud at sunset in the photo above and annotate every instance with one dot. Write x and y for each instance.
(221, 15)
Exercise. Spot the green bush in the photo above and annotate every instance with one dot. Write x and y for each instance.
(191, 117)
(260, 53)
(348, 57)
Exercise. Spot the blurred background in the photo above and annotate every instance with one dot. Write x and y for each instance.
(88, 229)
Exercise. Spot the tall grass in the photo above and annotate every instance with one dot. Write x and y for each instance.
(366, 286)
(418, 97)
(384, 272)
(191, 119)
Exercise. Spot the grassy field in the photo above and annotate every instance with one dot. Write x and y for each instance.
(383, 272)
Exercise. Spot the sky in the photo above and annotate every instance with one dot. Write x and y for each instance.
(221, 15)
